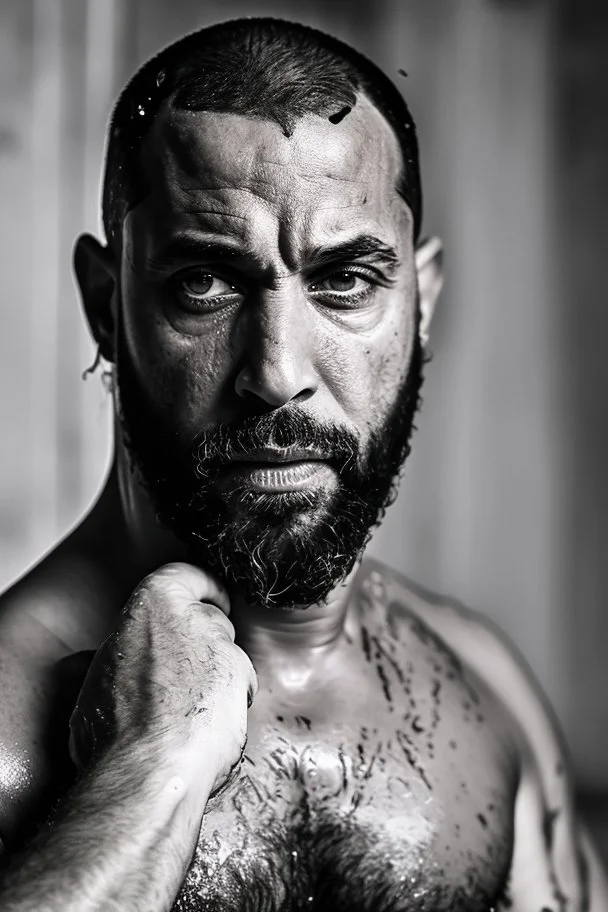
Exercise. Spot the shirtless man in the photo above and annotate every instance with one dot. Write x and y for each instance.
(264, 303)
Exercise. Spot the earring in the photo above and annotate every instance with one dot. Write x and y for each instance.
(94, 365)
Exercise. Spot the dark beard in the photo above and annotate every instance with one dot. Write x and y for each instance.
(278, 550)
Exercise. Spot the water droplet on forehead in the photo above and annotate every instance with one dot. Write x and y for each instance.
(160, 77)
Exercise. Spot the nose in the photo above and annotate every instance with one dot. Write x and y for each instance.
(276, 349)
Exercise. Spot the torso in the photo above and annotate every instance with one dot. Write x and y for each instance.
(392, 787)
(392, 790)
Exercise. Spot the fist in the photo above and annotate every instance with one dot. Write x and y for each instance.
(169, 679)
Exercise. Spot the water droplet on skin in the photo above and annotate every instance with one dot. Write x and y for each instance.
(160, 78)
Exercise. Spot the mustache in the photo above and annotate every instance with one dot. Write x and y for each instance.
(292, 428)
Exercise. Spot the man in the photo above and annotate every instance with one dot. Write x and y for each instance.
(264, 300)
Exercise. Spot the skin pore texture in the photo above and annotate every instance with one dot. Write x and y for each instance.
(346, 392)
(386, 767)
(288, 549)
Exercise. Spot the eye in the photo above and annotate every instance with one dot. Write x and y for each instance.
(341, 281)
(198, 290)
(345, 287)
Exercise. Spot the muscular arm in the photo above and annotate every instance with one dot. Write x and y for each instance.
(122, 841)
(159, 723)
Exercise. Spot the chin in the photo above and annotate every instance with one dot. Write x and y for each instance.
(299, 506)
(283, 562)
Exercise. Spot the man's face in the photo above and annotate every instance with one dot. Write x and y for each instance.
(267, 356)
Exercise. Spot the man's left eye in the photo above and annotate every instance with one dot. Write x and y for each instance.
(341, 281)
(344, 282)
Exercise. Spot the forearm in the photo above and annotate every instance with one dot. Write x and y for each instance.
(122, 841)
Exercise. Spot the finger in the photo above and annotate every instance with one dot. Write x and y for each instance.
(250, 675)
(215, 617)
(190, 583)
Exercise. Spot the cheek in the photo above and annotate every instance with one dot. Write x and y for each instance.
(391, 362)
(183, 375)
(364, 372)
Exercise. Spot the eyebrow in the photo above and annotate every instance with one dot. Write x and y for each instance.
(187, 246)
(366, 246)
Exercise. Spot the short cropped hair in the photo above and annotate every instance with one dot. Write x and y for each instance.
(259, 67)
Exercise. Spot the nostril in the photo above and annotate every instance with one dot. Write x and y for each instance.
(276, 381)
(303, 395)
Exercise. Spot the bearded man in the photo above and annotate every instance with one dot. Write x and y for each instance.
(264, 301)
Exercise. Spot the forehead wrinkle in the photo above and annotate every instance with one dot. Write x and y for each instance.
(187, 141)
(271, 185)
(195, 210)
(335, 178)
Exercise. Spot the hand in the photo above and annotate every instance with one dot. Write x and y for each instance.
(169, 679)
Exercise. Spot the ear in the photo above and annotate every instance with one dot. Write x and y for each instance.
(95, 269)
(429, 261)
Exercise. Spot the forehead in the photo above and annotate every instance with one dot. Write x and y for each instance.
(239, 175)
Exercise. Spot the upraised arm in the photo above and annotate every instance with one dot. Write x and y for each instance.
(159, 724)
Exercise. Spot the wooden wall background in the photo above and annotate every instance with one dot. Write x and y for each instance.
(505, 503)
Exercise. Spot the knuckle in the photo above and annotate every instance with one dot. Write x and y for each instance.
(247, 666)
(146, 590)
(215, 617)
(169, 571)
(160, 578)
(226, 625)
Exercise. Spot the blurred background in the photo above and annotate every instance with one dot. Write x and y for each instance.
(504, 503)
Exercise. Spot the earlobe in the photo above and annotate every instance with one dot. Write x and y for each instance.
(95, 269)
(429, 262)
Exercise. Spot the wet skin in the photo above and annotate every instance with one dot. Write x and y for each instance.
(388, 782)
(268, 216)
(380, 771)
(380, 774)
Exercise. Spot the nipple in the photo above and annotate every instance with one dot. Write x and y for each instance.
(327, 775)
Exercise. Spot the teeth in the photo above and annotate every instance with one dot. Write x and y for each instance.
(280, 477)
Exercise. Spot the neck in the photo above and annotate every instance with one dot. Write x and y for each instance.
(294, 641)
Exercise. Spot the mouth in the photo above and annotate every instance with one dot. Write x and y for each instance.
(271, 471)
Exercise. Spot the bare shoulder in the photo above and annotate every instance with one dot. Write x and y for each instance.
(547, 828)
(39, 631)
(29, 726)
(486, 651)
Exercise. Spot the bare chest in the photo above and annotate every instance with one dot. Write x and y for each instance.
(396, 793)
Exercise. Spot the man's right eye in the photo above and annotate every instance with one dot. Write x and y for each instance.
(200, 291)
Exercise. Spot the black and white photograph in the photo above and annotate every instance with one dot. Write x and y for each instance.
(304, 435)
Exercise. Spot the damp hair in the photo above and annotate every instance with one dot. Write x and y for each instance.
(258, 67)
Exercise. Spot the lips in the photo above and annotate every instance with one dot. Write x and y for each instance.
(279, 471)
